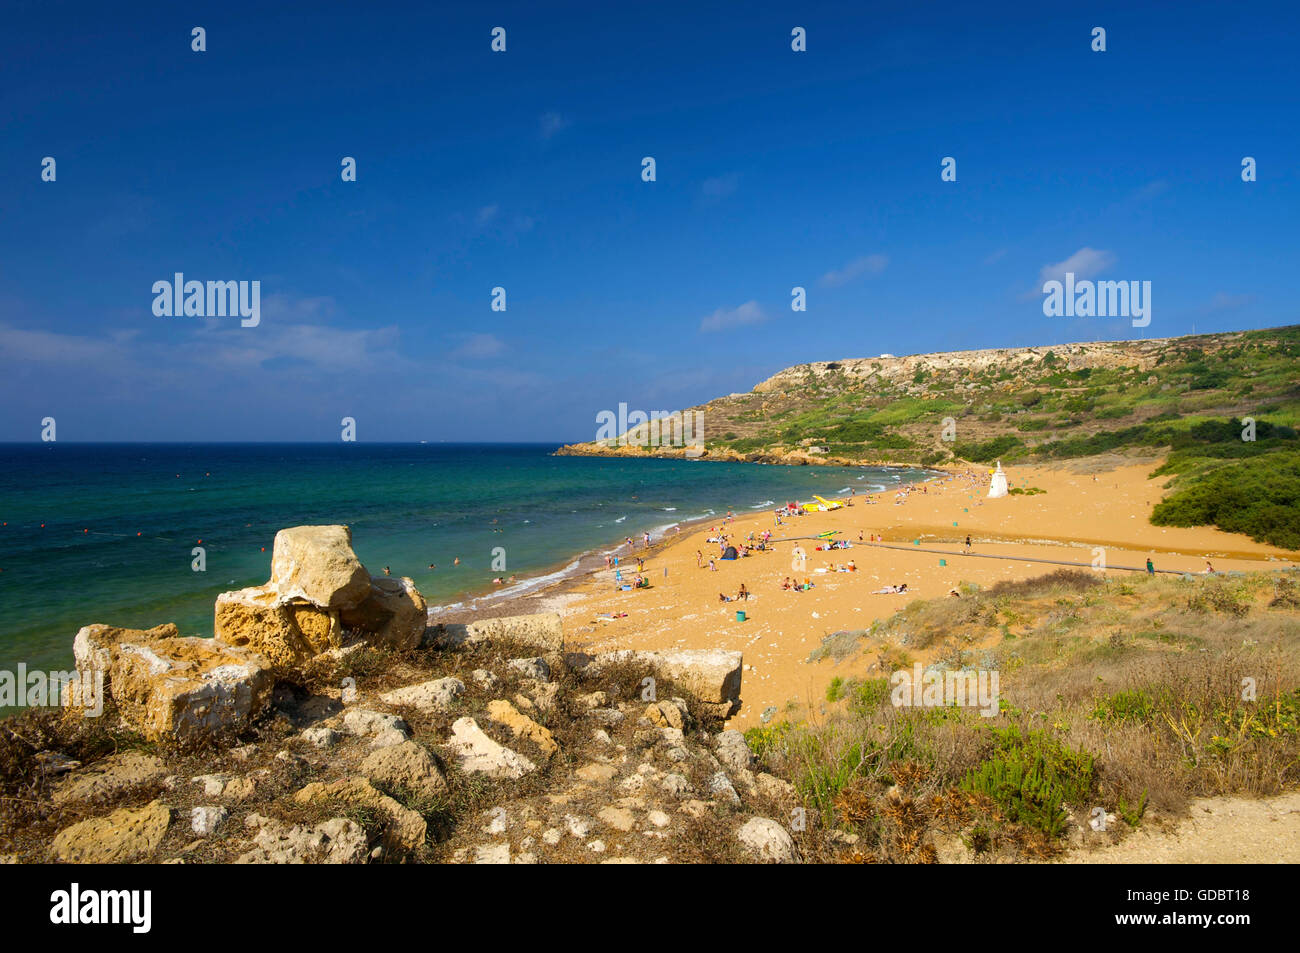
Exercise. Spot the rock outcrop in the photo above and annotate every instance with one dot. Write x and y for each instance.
(123, 837)
(542, 631)
(316, 564)
(185, 688)
(286, 632)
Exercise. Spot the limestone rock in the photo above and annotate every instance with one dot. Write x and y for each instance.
(405, 828)
(406, 765)
(96, 646)
(123, 837)
(596, 772)
(504, 713)
(770, 786)
(767, 841)
(364, 721)
(393, 614)
(108, 779)
(530, 668)
(183, 688)
(427, 696)
(619, 818)
(204, 820)
(542, 631)
(711, 675)
(669, 713)
(320, 736)
(287, 633)
(722, 789)
(337, 841)
(317, 564)
(479, 754)
(733, 751)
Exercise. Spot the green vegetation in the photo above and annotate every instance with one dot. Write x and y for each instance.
(1260, 498)
(1032, 776)
(1115, 694)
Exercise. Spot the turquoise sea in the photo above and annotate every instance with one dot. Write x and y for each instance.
(105, 532)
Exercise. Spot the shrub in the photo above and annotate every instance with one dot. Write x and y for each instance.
(1031, 776)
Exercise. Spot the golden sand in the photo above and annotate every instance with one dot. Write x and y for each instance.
(1080, 515)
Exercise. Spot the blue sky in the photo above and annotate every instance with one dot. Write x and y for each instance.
(522, 169)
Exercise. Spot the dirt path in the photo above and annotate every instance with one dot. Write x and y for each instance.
(1221, 830)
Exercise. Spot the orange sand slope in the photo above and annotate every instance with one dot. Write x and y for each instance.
(1080, 515)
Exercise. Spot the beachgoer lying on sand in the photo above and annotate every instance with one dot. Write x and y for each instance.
(723, 598)
(786, 584)
(954, 592)
(885, 591)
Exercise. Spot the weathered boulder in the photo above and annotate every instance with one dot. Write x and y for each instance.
(434, 695)
(337, 841)
(287, 633)
(393, 614)
(317, 564)
(206, 818)
(733, 751)
(766, 840)
(404, 828)
(110, 778)
(535, 668)
(95, 646)
(123, 837)
(479, 754)
(407, 766)
(364, 722)
(711, 675)
(542, 631)
(668, 713)
(184, 688)
(504, 713)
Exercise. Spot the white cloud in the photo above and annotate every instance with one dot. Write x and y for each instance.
(551, 123)
(866, 265)
(487, 213)
(1084, 263)
(475, 346)
(720, 320)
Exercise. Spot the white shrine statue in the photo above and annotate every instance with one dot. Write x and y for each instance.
(998, 485)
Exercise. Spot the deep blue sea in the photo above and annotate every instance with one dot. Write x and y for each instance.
(105, 532)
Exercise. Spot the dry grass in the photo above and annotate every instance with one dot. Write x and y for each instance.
(1175, 688)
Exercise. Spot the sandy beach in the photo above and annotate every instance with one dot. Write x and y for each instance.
(922, 534)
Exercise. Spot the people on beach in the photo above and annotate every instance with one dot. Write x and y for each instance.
(967, 549)
(743, 594)
(699, 559)
(1151, 569)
